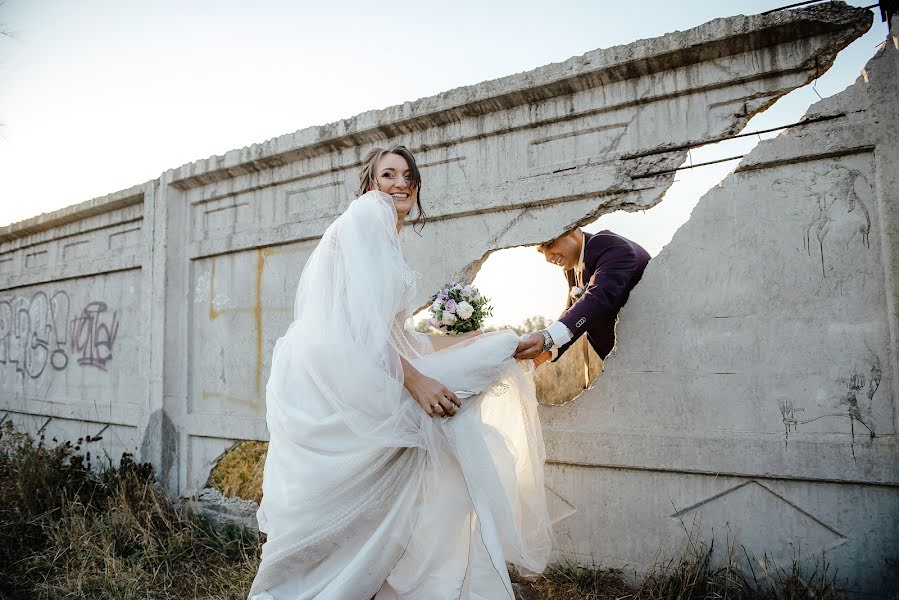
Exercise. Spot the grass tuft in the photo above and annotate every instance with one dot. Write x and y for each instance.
(70, 531)
(696, 575)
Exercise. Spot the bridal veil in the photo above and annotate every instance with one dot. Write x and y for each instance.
(364, 494)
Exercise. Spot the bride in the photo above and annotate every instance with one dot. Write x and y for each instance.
(400, 465)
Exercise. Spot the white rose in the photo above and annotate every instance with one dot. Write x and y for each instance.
(464, 310)
(436, 306)
(448, 318)
(467, 290)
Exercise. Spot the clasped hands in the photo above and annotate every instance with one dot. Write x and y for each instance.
(438, 400)
(531, 347)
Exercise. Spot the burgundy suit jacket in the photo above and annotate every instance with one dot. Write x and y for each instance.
(612, 267)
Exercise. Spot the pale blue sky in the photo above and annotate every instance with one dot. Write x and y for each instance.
(96, 96)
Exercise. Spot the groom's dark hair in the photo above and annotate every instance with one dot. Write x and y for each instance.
(550, 241)
(368, 177)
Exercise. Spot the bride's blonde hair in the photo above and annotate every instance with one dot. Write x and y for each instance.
(368, 177)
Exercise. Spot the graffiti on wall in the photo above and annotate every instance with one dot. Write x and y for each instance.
(42, 333)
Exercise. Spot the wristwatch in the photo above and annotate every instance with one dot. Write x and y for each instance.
(547, 340)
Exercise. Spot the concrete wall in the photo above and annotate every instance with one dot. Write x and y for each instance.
(73, 323)
(752, 396)
(200, 280)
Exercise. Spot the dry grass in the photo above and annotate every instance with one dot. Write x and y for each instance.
(561, 381)
(70, 531)
(693, 576)
(239, 472)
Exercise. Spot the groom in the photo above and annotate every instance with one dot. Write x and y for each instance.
(601, 269)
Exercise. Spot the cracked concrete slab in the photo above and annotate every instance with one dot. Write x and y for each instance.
(759, 349)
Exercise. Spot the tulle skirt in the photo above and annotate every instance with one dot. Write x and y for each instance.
(422, 507)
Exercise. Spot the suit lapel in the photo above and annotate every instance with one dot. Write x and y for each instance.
(569, 276)
(586, 269)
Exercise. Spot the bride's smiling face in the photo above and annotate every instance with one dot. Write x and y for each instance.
(393, 177)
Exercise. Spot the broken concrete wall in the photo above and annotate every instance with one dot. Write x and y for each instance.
(753, 391)
(507, 162)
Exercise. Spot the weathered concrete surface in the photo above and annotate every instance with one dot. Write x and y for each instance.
(754, 384)
(213, 250)
(73, 326)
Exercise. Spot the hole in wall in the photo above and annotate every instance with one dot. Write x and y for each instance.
(528, 294)
(238, 473)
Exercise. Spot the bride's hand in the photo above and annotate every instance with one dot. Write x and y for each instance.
(432, 396)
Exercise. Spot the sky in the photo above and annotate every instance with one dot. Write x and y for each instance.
(99, 95)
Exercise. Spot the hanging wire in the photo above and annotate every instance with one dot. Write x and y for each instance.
(729, 137)
(774, 10)
(815, 80)
(675, 170)
(688, 147)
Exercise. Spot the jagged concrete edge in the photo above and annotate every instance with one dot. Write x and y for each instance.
(829, 17)
(594, 61)
(827, 59)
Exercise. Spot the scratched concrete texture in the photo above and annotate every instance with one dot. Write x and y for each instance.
(214, 250)
(751, 397)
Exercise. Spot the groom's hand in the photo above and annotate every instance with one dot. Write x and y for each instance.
(542, 358)
(530, 346)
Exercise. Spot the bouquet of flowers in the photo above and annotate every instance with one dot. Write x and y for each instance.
(458, 308)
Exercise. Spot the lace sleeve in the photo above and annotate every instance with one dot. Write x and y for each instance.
(408, 342)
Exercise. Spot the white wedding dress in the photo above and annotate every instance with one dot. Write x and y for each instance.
(365, 495)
